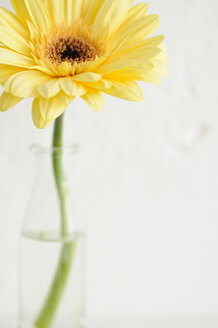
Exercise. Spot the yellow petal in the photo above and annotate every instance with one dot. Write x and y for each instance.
(114, 66)
(38, 14)
(64, 69)
(33, 31)
(43, 69)
(128, 90)
(87, 77)
(44, 111)
(94, 99)
(9, 57)
(56, 10)
(137, 12)
(160, 68)
(90, 10)
(149, 24)
(132, 72)
(147, 43)
(110, 16)
(72, 10)
(133, 31)
(13, 40)
(71, 88)
(7, 71)
(139, 53)
(91, 66)
(11, 22)
(154, 41)
(65, 100)
(24, 84)
(49, 89)
(7, 100)
(100, 85)
(20, 8)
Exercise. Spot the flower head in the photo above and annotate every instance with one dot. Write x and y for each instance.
(55, 50)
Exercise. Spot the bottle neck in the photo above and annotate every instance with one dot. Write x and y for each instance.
(51, 208)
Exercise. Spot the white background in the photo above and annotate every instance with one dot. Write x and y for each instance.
(148, 181)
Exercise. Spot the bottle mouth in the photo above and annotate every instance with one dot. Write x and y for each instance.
(38, 149)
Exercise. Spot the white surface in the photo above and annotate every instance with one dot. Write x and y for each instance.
(161, 322)
(148, 181)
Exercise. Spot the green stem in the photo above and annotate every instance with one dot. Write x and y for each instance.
(60, 178)
(56, 292)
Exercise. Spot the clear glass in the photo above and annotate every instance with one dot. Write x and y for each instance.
(52, 266)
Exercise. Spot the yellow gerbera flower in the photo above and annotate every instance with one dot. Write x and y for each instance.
(55, 50)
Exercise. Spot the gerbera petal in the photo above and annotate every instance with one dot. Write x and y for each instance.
(21, 10)
(160, 68)
(64, 69)
(9, 57)
(137, 12)
(38, 14)
(139, 53)
(132, 72)
(94, 99)
(32, 31)
(87, 77)
(44, 111)
(110, 16)
(56, 10)
(154, 41)
(12, 23)
(134, 31)
(7, 72)
(113, 66)
(71, 88)
(24, 84)
(13, 40)
(7, 100)
(90, 10)
(100, 85)
(127, 90)
(72, 10)
(49, 89)
(43, 69)
(149, 24)
(147, 43)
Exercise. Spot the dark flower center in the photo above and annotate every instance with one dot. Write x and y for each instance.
(70, 49)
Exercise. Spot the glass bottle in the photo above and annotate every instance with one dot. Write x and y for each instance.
(52, 254)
